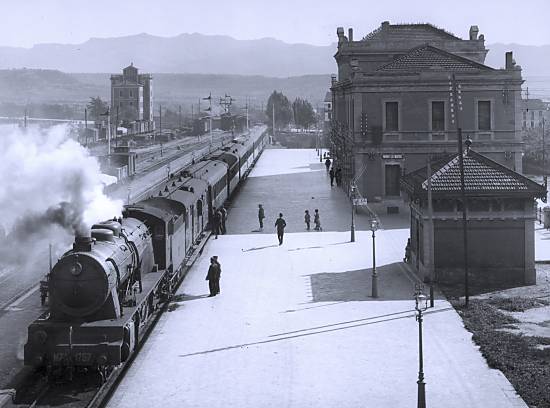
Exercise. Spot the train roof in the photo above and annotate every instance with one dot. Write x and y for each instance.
(209, 170)
(185, 197)
(160, 207)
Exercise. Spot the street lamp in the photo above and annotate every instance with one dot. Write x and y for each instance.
(352, 196)
(421, 304)
(373, 228)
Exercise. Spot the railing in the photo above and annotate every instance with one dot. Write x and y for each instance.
(446, 136)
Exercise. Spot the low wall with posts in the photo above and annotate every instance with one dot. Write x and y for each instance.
(299, 140)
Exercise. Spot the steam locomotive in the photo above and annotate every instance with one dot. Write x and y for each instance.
(106, 289)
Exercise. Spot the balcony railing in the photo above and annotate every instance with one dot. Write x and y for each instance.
(443, 136)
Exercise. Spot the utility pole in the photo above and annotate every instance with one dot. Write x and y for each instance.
(544, 176)
(116, 128)
(179, 117)
(457, 102)
(273, 117)
(86, 127)
(247, 125)
(160, 121)
(431, 257)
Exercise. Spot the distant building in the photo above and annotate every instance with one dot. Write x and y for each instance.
(501, 214)
(533, 112)
(391, 103)
(132, 100)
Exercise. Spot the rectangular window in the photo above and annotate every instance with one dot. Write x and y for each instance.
(131, 94)
(438, 116)
(120, 94)
(484, 115)
(392, 116)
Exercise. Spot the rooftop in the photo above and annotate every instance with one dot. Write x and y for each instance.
(429, 58)
(482, 177)
(390, 32)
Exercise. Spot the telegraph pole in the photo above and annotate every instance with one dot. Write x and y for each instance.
(273, 117)
(160, 121)
(179, 117)
(457, 102)
(116, 128)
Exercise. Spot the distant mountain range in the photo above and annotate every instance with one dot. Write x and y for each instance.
(189, 66)
(217, 54)
(185, 53)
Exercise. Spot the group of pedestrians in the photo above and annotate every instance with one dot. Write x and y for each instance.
(218, 221)
(334, 174)
(316, 220)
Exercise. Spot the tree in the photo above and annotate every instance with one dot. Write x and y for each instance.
(283, 112)
(304, 116)
(96, 107)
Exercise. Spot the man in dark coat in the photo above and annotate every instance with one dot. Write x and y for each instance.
(331, 175)
(338, 175)
(280, 224)
(307, 219)
(213, 276)
(327, 163)
(223, 212)
(216, 222)
(261, 216)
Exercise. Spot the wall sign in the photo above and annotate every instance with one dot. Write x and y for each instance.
(392, 156)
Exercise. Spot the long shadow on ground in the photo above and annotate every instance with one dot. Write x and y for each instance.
(394, 283)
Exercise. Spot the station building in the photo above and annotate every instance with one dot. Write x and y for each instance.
(132, 100)
(500, 222)
(391, 104)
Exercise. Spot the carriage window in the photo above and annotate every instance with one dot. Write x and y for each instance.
(199, 207)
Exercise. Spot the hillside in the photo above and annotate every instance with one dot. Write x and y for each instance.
(28, 85)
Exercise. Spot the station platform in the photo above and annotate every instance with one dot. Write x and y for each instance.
(295, 325)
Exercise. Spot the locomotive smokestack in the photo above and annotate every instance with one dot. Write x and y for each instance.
(82, 243)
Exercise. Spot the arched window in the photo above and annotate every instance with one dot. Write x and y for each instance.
(199, 207)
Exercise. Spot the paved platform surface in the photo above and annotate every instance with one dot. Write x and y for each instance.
(294, 325)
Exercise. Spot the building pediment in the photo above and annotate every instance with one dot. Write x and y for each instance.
(427, 58)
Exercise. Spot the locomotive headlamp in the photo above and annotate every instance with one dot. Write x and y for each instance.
(76, 269)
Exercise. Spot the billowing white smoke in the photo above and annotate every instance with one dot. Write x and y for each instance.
(48, 184)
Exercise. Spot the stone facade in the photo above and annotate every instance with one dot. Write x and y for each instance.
(533, 113)
(132, 100)
(391, 104)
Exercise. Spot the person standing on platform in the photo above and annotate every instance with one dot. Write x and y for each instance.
(223, 212)
(307, 219)
(317, 220)
(213, 276)
(331, 175)
(338, 176)
(280, 224)
(216, 222)
(261, 216)
(327, 164)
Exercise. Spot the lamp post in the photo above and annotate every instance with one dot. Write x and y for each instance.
(352, 197)
(373, 228)
(421, 304)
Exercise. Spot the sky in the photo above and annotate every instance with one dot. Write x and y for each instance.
(30, 22)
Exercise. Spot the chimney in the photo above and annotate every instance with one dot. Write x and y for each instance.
(340, 34)
(82, 243)
(350, 34)
(474, 30)
(509, 60)
(385, 24)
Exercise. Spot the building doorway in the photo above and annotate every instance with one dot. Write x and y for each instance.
(393, 175)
